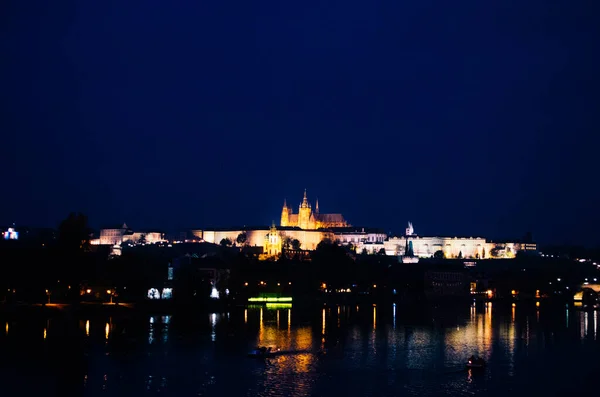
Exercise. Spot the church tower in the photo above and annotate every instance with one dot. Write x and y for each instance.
(285, 215)
(304, 213)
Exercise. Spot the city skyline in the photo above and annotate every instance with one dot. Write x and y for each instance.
(462, 118)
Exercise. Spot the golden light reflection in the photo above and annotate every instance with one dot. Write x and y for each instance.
(374, 317)
(322, 325)
(277, 318)
(107, 330)
(246, 316)
(6, 328)
(289, 320)
(260, 326)
(87, 328)
(513, 312)
(45, 332)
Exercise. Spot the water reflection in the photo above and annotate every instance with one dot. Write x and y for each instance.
(374, 317)
(390, 351)
(213, 326)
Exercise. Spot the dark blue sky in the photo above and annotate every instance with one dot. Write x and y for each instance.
(470, 117)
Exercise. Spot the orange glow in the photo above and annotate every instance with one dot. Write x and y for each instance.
(537, 304)
(87, 328)
(374, 317)
(45, 333)
(537, 293)
(278, 284)
(374, 285)
(513, 292)
(490, 293)
(107, 330)
(6, 328)
(108, 291)
(245, 284)
(323, 285)
(246, 316)
(89, 291)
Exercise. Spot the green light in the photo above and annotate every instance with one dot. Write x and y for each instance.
(270, 299)
(278, 305)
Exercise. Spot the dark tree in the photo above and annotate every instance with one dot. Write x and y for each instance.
(226, 242)
(439, 254)
(364, 252)
(287, 243)
(381, 252)
(460, 255)
(295, 244)
(409, 249)
(142, 239)
(74, 233)
(242, 238)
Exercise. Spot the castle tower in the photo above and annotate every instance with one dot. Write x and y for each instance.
(304, 213)
(285, 215)
(273, 244)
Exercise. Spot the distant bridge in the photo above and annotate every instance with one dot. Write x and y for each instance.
(586, 288)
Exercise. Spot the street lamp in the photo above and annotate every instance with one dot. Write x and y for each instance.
(48, 295)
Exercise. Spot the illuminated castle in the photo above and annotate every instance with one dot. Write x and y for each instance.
(306, 219)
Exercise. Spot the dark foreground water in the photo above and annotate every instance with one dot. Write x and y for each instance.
(373, 351)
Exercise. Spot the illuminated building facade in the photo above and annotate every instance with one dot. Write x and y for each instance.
(455, 247)
(310, 228)
(273, 242)
(265, 236)
(307, 219)
(10, 234)
(121, 234)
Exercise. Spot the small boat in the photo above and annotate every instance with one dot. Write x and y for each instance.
(264, 352)
(476, 363)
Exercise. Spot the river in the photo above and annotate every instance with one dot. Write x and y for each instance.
(371, 351)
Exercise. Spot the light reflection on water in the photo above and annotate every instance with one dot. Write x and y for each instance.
(371, 349)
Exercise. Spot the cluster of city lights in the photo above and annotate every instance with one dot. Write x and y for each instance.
(271, 299)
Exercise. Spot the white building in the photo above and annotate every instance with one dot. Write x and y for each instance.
(454, 247)
(121, 234)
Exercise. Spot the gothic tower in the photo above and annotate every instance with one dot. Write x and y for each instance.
(304, 213)
(285, 215)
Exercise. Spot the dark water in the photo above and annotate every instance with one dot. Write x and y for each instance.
(373, 351)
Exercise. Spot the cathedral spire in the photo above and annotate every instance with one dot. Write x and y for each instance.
(304, 201)
(317, 206)
(284, 203)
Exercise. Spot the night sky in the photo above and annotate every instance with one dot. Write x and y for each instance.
(467, 118)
